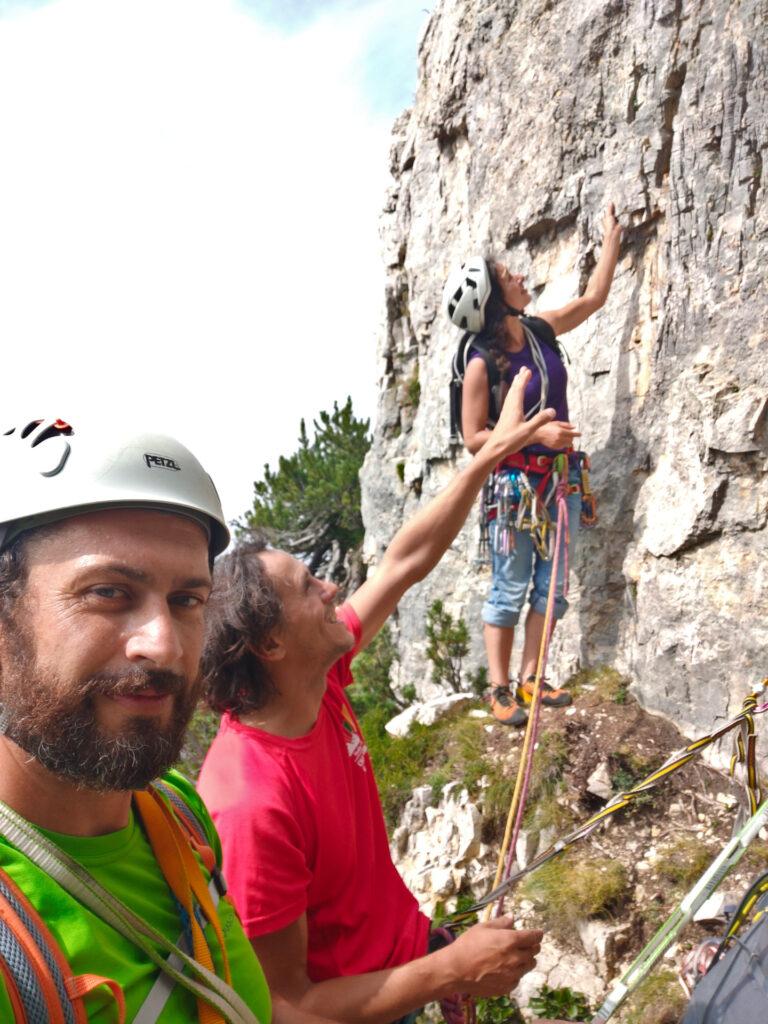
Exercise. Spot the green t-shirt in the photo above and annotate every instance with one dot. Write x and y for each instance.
(124, 864)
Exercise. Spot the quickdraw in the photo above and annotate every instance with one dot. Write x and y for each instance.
(512, 500)
(516, 504)
(588, 499)
(744, 721)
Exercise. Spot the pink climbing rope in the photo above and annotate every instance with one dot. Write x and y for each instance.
(517, 808)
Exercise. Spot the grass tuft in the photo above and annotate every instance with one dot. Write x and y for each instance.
(658, 1000)
(684, 862)
(608, 684)
(567, 890)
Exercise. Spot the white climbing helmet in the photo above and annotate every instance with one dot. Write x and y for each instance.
(50, 472)
(466, 293)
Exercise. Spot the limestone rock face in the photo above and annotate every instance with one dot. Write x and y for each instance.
(437, 846)
(529, 117)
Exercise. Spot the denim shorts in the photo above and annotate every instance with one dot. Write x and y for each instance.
(512, 573)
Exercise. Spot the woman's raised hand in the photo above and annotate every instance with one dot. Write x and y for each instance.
(512, 429)
(611, 226)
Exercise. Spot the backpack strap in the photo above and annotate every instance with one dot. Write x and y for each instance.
(467, 345)
(195, 832)
(544, 333)
(39, 982)
(204, 984)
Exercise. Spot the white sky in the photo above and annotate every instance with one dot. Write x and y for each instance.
(189, 202)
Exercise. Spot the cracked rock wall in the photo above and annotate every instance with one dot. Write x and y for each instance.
(529, 117)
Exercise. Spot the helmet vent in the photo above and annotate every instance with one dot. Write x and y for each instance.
(54, 430)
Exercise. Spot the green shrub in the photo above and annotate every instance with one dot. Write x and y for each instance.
(399, 763)
(447, 645)
(413, 389)
(372, 668)
(683, 862)
(200, 734)
(561, 1004)
(478, 681)
(608, 684)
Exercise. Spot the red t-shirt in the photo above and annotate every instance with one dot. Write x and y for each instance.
(302, 830)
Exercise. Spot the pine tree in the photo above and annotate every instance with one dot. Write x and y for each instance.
(310, 505)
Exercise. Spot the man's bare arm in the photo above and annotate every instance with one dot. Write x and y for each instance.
(419, 545)
(487, 960)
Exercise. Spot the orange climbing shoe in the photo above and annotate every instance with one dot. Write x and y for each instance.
(505, 708)
(550, 697)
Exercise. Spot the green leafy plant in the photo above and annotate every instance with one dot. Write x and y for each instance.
(561, 1004)
(498, 1011)
(310, 505)
(627, 768)
(373, 666)
(413, 389)
(447, 645)
(200, 734)
(478, 681)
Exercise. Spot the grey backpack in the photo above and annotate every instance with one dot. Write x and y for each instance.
(735, 989)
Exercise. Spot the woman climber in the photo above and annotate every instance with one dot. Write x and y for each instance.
(484, 298)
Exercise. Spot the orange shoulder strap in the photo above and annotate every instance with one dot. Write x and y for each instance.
(34, 969)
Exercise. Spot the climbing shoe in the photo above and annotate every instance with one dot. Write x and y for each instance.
(550, 697)
(505, 708)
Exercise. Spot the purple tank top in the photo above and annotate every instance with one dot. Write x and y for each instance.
(557, 398)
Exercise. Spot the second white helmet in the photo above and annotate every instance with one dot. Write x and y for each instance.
(466, 293)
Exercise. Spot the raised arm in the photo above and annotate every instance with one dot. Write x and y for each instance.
(574, 313)
(418, 546)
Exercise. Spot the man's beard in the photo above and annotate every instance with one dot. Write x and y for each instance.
(62, 734)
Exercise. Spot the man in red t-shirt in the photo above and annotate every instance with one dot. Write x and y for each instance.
(290, 785)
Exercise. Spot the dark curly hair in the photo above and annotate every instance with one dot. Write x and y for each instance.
(493, 335)
(243, 611)
(14, 569)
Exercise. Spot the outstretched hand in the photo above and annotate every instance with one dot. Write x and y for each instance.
(512, 429)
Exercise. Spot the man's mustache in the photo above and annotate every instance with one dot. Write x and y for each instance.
(134, 683)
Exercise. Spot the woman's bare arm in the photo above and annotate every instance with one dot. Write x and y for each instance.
(574, 313)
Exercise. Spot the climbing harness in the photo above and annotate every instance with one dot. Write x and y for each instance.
(730, 855)
(511, 498)
(173, 836)
(745, 754)
(522, 783)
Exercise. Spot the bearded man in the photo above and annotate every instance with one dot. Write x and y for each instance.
(106, 548)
